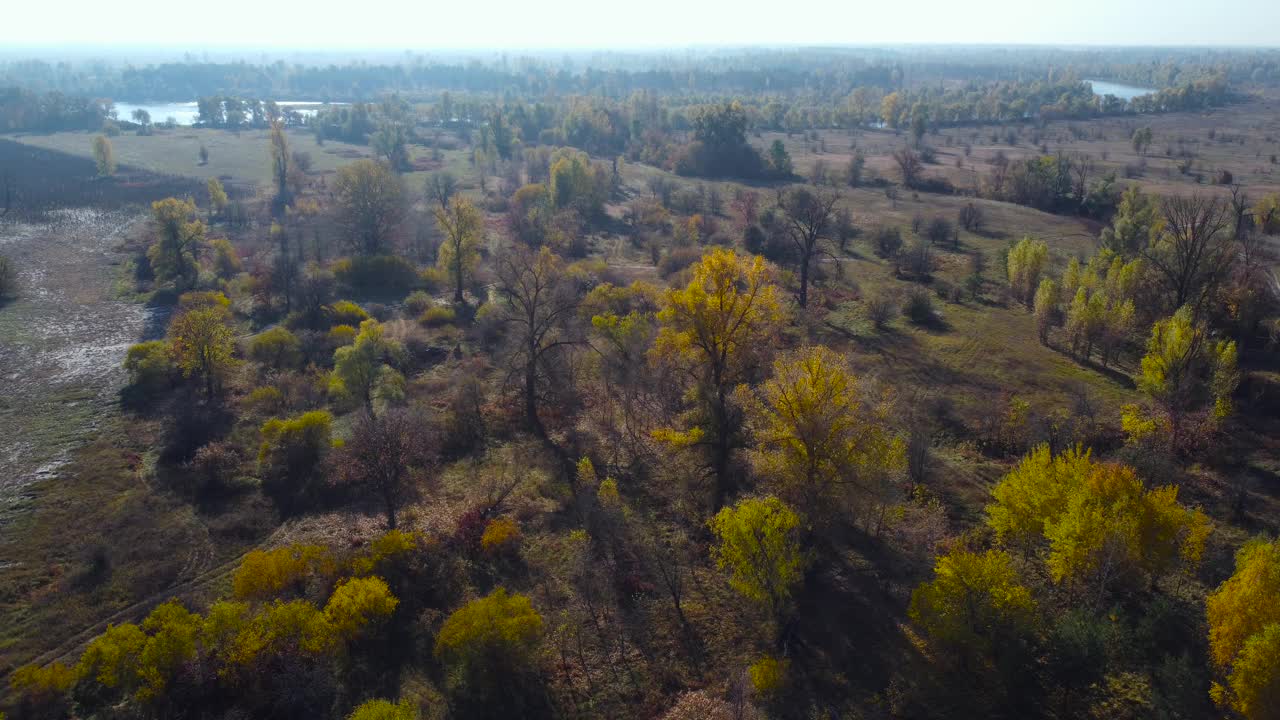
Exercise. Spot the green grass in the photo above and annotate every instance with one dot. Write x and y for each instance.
(244, 157)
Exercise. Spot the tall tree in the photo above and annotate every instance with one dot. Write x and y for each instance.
(714, 330)
(178, 238)
(371, 206)
(1192, 254)
(540, 303)
(808, 216)
(1244, 631)
(280, 162)
(463, 226)
(818, 433)
(104, 156)
(440, 188)
(203, 343)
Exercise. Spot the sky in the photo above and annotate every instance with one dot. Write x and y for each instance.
(424, 25)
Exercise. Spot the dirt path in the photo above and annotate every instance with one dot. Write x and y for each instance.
(62, 341)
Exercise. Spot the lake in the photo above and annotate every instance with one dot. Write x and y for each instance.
(186, 113)
(1124, 92)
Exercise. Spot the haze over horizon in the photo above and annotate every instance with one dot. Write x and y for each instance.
(577, 24)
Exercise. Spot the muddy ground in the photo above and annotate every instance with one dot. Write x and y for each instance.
(62, 339)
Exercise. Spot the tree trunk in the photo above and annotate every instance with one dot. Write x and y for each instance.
(804, 280)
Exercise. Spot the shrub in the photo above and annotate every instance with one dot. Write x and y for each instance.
(437, 316)
(340, 335)
(417, 303)
(881, 309)
(501, 536)
(384, 710)
(491, 633)
(678, 259)
(276, 348)
(919, 306)
(272, 574)
(266, 400)
(886, 241)
(291, 457)
(150, 366)
(215, 466)
(768, 675)
(380, 275)
(345, 312)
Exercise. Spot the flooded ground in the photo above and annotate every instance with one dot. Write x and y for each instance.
(62, 340)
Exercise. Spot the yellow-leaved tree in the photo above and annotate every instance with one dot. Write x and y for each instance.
(1025, 262)
(715, 331)
(818, 434)
(1244, 632)
(975, 606)
(202, 341)
(462, 224)
(1101, 525)
(758, 544)
(490, 646)
(178, 237)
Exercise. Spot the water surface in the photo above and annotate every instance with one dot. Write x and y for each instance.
(1124, 92)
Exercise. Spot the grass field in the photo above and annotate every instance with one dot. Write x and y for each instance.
(242, 157)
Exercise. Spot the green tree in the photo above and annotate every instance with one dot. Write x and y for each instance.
(1046, 308)
(104, 156)
(462, 224)
(1136, 224)
(1185, 368)
(758, 544)
(780, 160)
(1026, 261)
(178, 238)
(218, 200)
(714, 331)
(360, 370)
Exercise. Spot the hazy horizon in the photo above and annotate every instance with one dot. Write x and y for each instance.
(576, 25)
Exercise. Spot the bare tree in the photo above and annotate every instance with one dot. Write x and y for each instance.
(540, 303)
(1082, 167)
(387, 454)
(440, 188)
(808, 217)
(1193, 253)
(909, 166)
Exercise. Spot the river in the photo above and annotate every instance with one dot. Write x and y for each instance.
(1124, 92)
(185, 113)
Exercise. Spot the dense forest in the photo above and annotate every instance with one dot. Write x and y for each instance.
(900, 383)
